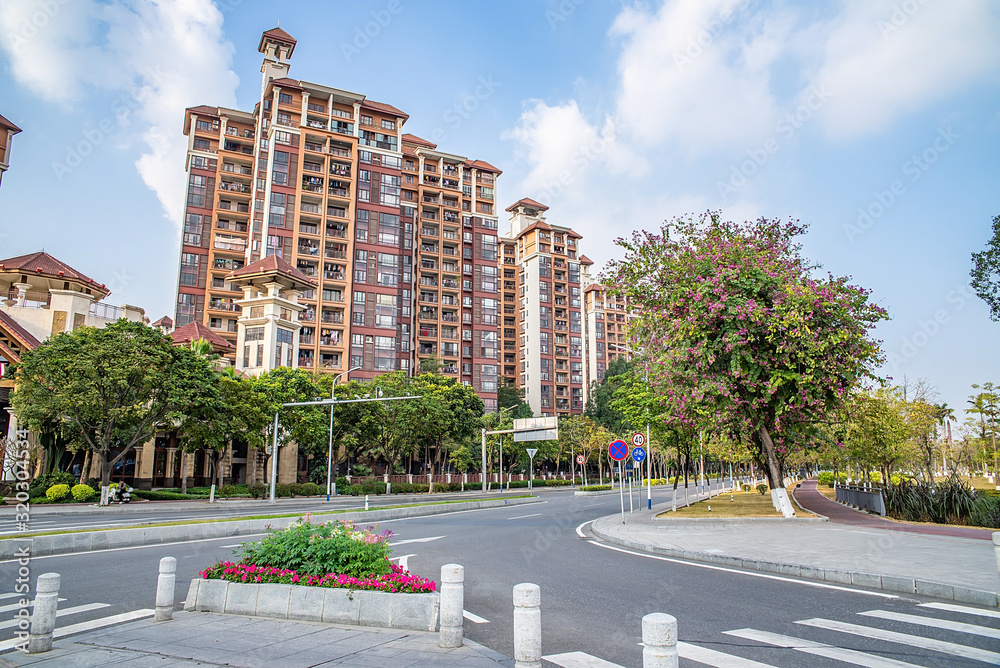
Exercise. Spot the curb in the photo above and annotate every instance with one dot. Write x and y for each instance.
(739, 520)
(88, 541)
(893, 583)
(804, 509)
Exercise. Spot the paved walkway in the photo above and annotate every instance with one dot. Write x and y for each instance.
(205, 639)
(809, 498)
(863, 554)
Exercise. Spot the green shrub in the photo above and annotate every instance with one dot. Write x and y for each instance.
(373, 487)
(319, 549)
(40, 485)
(595, 488)
(257, 490)
(353, 490)
(341, 482)
(150, 495)
(555, 482)
(762, 488)
(747, 487)
(951, 501)
(308, 489)
(57, 492)
(83, 493)
(229, 491)
(986, 511)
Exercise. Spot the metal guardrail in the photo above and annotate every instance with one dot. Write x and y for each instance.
(863, 498)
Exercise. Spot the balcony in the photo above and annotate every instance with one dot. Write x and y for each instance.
(431, 282)
(335, 254)
(238, 207)
(307, 316)
(236, 169)
(233, 187)
(449, 234)
(334, 276)
(305, 249)
(332, 318)
(339, 231)
(222, 305)
(339, 192)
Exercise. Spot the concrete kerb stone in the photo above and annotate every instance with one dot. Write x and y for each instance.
(835, 576)
(340, 607)
(192, 596)
(273, 600)
(89, 541)
(306, 603)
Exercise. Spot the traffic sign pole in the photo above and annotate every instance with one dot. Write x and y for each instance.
(649, 476)
(621, 490)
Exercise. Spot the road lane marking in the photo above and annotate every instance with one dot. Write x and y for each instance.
(16, 606)
(579, 529)
(942, 646)
(417, 540)
(475, 619)
(11, 623)
(945, 624)
(579, 660)
(820, 649)
(710, 657)
(754, 574)
(965, 610)
(84, 626)
(521, 517)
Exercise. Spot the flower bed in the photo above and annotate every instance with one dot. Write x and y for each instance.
(397, 580)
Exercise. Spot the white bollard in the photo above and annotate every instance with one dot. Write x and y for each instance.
(165, 590)
(659, 640)
(996, 547)
(366, 502)
(43, 619)
(211, 494)
(452, 606)
(527, 626)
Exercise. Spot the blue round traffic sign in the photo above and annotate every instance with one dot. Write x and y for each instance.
(618, 450)
(638, 454)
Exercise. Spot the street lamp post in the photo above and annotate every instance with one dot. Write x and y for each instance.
(329, 453)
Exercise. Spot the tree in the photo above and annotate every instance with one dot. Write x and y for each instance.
(739, 332)
(508, 396)
(878, 429)
(117, 386)
(985, 404)
(985, 272)
(446, 411)
(306, 426)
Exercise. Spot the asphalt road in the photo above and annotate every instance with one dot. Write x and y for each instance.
(593, 595)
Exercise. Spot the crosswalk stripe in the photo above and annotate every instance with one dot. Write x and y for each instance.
(710, 657)
(579, 660)
(84, 626)
(11, 623)
(820, 649)
(945, 624)
(942, 646)
(3, 596)
(964, 609)
(16, 606)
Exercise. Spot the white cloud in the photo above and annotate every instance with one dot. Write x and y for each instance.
(150, 60)
(884, 59)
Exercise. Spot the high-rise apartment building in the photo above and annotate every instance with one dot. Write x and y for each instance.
(394, 233)
(7, 132)
(543, 332)
(606, 323)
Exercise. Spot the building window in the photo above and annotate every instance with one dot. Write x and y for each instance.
(280, 173)
(189, 268)
(366, 120)
(388, 229)
(284, 98)
(197, 187)
(385, 310)
(202, 145)
(388, 125)
(192, 229)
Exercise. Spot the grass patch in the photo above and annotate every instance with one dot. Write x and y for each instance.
(742, 505)
(240, 518)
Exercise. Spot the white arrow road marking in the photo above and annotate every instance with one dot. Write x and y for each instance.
(475, 619)
(403, 561)
(416, 540)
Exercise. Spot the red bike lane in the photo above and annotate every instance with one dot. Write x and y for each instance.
(810, 499)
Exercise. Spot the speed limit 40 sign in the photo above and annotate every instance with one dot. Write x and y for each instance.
(638, 439)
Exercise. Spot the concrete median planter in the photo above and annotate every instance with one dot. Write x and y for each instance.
(412, 612)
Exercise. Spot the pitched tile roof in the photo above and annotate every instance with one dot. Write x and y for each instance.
(585, 260)
(8, 322)
(4, 123)
(527, 201)
(41, 263)
(414, 139)
(269, 264)
(194, 330)
(387, 108)
(287, 83)
(485, 166)
(204, 110)
(279, 35)
(165, 321)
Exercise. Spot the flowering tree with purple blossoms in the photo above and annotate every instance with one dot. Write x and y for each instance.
(739, 332)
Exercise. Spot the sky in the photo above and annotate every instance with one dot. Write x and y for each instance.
(875, 122)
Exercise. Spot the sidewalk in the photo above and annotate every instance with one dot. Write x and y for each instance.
(862, 554)
(199, 638)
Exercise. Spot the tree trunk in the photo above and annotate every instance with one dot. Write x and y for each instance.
(105, 469)
(184, 477)
(85, 471)
(773, 468)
